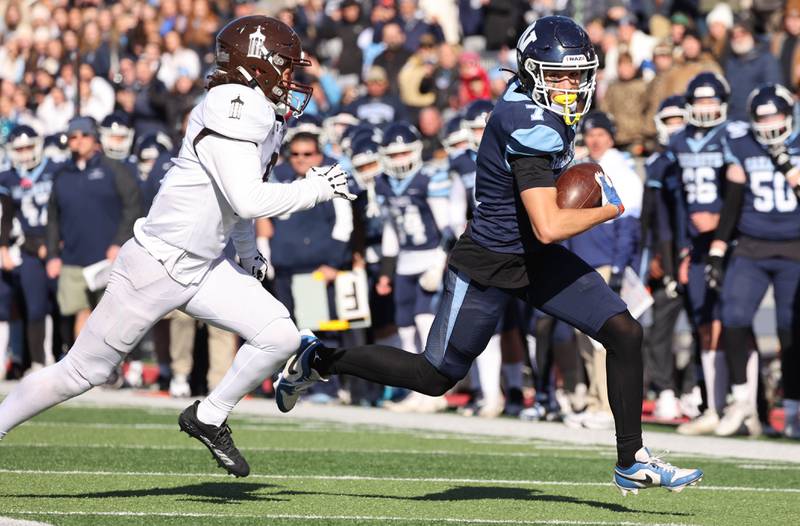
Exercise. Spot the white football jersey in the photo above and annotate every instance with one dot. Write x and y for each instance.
(215, 188)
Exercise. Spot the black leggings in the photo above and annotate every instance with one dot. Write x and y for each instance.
(621, 335)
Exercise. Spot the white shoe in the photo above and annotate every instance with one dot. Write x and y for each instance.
(738, 415)
(406, 405)
(432, 404)
(133, 377)
(598, 420)
(704, 424)
(690, 403)
(179, 387)
(491, 408)
(666, 406)
(792, 430)
(35, 366)
(590, 420)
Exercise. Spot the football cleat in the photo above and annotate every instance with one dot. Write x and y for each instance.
(649, 471)
(298, 375)
(217, 439)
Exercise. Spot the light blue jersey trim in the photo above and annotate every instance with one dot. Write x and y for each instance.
(459, 293)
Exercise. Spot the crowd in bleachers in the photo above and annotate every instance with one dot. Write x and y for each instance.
(106, 86)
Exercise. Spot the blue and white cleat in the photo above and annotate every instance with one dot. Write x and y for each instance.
(651, 472)
(298, 375)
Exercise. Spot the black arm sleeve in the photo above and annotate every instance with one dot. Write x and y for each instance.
(731, 209)
(6, 219)
(53, 232)
(131, 199)
(388, 265)
(532, 172)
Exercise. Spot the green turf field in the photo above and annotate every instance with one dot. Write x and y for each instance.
(85, 466)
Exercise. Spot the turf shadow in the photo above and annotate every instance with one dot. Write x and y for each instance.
(206, 492)
(466, 493)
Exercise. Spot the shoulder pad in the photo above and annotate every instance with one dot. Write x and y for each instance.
(737, 129)
(536, 140)
(238, 112)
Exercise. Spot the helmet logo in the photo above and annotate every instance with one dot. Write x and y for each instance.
(527, 38)
(705, 92)
(256, 43)
(574, 59)
(236, 108)
(768, 108)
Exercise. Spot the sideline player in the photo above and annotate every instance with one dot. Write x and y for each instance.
(701, 153)
(176, 261)
(24, 194)
(761, 205)
(509, 250)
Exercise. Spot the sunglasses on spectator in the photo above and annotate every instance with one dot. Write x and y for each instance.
(302, 154)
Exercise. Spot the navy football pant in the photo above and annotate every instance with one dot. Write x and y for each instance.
(746, 283)
(704, 302)
(562, 285)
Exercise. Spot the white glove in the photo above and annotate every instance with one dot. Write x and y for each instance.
(256, 265)
(431, 279)
(333, 182)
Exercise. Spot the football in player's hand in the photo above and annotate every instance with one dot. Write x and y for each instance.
(578, 188)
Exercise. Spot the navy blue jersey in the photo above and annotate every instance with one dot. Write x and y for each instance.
(464, 166)
(702, 159)
(769, 210)
(663, 176)
(405, 203)
(30, 192)
(517, 127)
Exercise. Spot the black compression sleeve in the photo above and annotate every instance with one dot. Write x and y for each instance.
(6, 223)
(532, 172)
(731, 209)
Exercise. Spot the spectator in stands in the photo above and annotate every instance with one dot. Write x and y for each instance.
(201, 28)
(694, 61)
(347, 31)
(94, 51)
(626, 102)
(632, 41)
(681, 24)
(414, 25)
(55, 111)
(420, 66)
(657, 89)
(501, 23)
(96, 94)
(443, 80)
(151, 98)
(785, 45)
(177, 61)
(749, 65)
(93, 204)
(377, 106)
(474, 81)
(394, 56)
(430, 126)
(719, 21)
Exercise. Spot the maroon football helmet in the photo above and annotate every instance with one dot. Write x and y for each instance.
(265, 51)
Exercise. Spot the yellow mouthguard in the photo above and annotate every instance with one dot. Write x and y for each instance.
(566, 100)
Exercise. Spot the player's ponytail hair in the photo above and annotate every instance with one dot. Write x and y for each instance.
(220, 77)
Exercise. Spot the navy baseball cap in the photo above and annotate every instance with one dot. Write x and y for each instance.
(84, 125)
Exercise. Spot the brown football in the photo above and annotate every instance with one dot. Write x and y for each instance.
(577, 187)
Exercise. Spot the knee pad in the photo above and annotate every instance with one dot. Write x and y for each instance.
(92, 358)
(280, 336)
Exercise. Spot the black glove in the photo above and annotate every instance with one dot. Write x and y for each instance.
(783, 162)
(615, 282)
(715, 272)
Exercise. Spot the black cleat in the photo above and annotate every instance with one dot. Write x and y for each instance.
(217, 439)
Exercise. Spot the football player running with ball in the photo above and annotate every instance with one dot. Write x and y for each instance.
(510, 250)
(212, 194)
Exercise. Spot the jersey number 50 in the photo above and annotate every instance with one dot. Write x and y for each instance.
(771, 192)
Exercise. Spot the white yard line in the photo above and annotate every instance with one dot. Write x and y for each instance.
(360, 478)
(771, 467)
(377, 518)
(433, 452)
